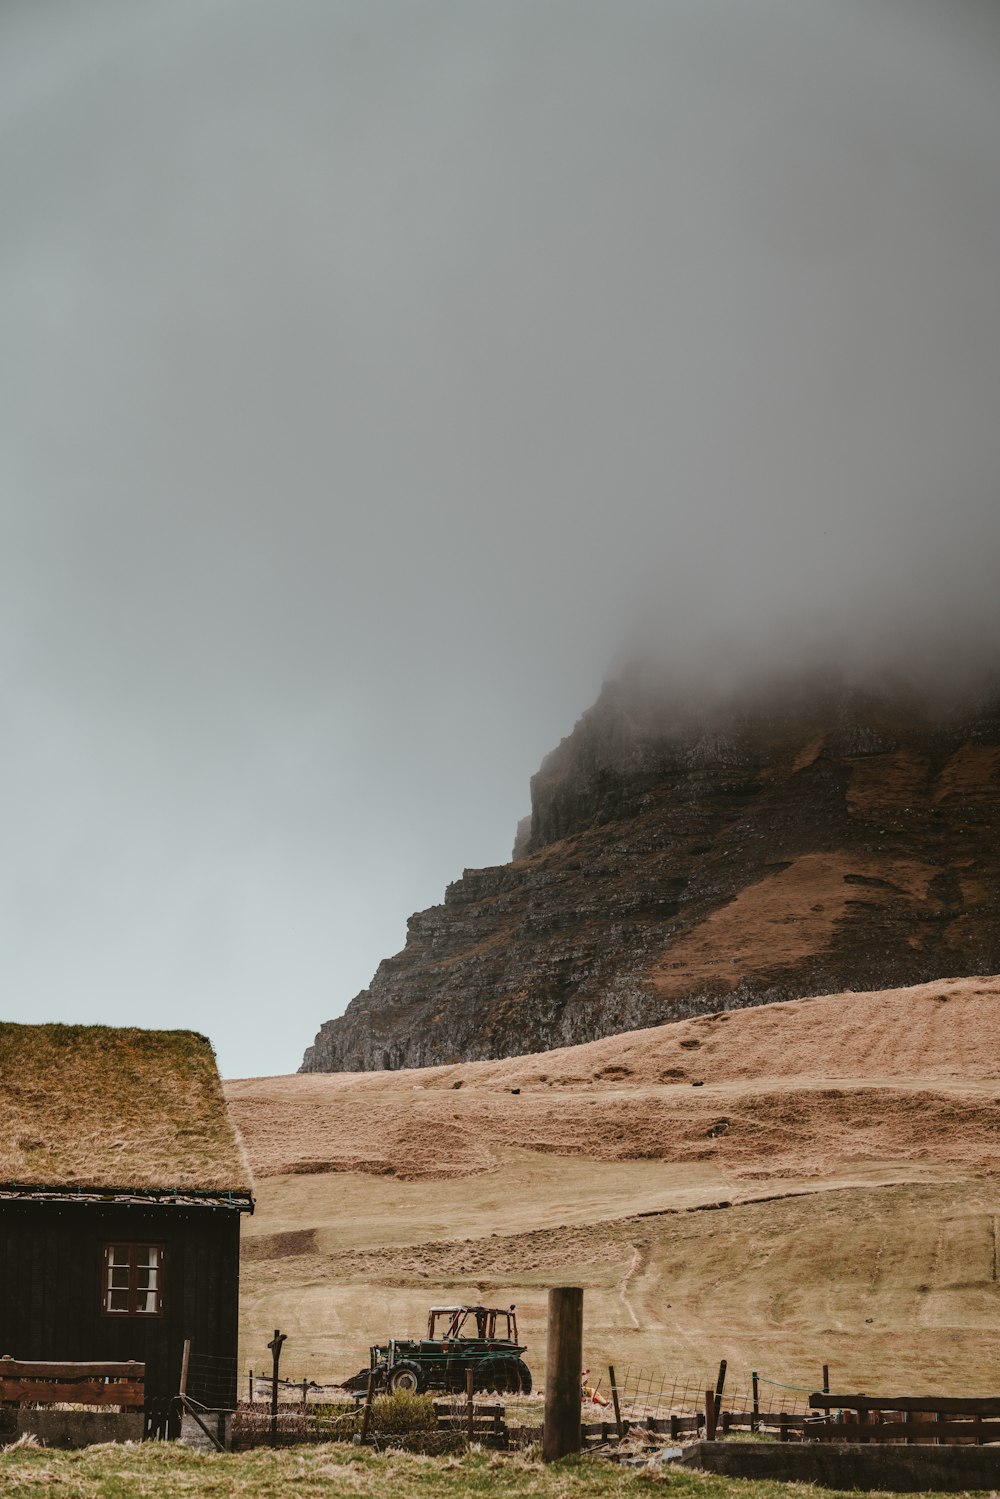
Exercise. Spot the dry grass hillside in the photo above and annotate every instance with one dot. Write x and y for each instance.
(846, 1146)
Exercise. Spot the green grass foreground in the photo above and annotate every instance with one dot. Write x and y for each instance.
(170, 1471)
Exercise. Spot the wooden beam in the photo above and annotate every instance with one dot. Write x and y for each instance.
(955, 1405)
(190, 1410)
(563, 1367)
(973, 1431)
(75, 1392)
(37, 1369)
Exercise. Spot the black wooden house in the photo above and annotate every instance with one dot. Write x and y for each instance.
(122, 1185)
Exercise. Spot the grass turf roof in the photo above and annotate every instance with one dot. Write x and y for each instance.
(114, 1108)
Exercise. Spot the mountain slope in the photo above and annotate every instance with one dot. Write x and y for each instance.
(683, 857)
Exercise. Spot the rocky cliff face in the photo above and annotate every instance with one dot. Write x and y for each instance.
(684, 858)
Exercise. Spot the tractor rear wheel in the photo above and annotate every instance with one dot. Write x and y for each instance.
(522, 1378)
(501, 1376)
(488, 1376)
(406, 1376)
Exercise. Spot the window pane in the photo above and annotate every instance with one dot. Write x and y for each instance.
(132, 1279)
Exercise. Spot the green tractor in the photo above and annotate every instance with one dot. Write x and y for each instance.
(459, 1338)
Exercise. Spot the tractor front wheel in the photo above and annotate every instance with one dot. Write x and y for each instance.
(406, 1376)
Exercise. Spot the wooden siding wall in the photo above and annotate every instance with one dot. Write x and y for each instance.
(51, 1262)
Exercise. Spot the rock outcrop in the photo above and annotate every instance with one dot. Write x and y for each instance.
(685, 857)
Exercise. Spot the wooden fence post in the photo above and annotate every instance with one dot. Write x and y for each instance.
(561, 1432)
(709, 1415)
(614, 1397)
(250, 1385)
(366, 1414)
(826, 1379)
(275, 1347)
(719, 1384)
(755, 1415)
(470, 1409)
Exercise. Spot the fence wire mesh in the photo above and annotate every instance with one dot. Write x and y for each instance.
(212, 1381)
(651, 1402)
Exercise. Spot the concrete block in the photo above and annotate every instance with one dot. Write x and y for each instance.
(890, 1466)
(218, 1422)
(71, 1428)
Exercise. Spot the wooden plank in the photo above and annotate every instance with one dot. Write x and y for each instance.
(443, 1408)
(36, 1369)
(949, 1404)
(901, 1431)
(675, 1424)
(747, 1421)
(458, 1423)
(78, 1392)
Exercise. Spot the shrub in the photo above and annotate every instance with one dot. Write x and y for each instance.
(402, 1413)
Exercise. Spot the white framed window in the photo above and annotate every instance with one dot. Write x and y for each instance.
(132, 1284)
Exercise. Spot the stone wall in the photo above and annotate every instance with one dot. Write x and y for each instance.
(852, 1466)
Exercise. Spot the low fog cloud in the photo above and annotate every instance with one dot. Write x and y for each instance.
(377, 376)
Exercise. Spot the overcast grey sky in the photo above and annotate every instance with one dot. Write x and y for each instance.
(377, 373)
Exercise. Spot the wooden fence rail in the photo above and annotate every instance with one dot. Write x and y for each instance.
(947, 1404)
(482, 1423)
(31, 1382)
(938, 1419)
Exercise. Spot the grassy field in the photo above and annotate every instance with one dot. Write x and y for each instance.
(844, 1147)
(882, 1283)
(169, 1471)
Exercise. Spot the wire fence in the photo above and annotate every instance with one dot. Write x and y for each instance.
(212, 1381)
(645, 1393)
(645, 1402)
(256, 1386)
